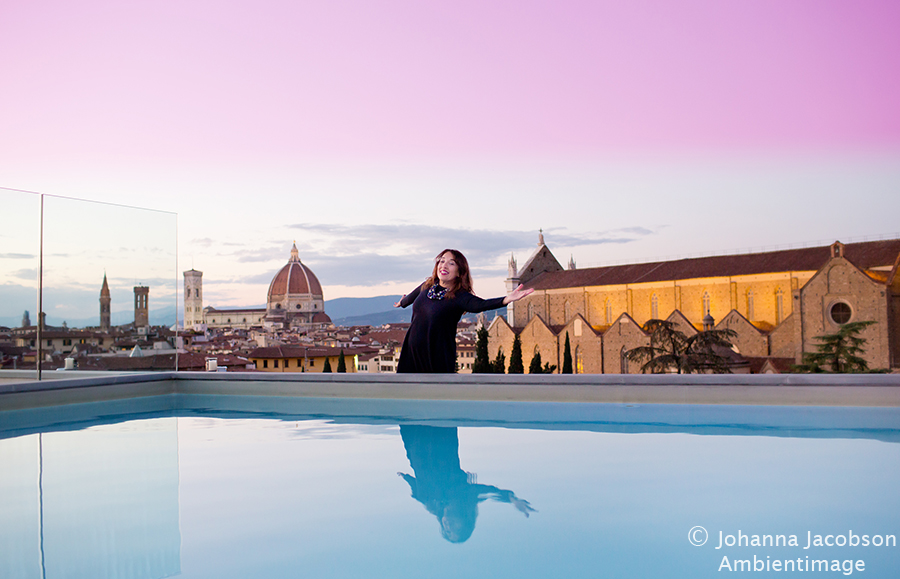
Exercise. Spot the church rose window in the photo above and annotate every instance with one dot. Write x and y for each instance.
(840, 313)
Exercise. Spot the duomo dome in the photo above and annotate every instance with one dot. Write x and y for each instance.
(295, 296)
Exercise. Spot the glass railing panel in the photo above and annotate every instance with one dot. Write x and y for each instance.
(19, 251)
(106, 277)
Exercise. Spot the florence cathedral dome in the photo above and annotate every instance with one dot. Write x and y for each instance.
(295, 296)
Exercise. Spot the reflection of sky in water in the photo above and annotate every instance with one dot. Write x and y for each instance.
(261, 497)
(100, 502)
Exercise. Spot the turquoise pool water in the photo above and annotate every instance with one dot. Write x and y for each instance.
(234, 486)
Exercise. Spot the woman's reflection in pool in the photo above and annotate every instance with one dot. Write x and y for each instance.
(446, 490)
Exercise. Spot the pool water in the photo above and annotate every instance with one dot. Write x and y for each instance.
(245, 487)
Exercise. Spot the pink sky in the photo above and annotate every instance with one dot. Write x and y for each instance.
(267, 121)
(207, 81)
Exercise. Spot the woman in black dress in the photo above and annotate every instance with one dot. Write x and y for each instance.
(438, 304)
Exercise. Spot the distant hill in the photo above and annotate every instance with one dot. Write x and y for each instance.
(393, 316)
(360, 312)
(159, 317)
(340, 308)
(373, 311)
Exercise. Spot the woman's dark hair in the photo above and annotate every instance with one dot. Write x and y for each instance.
(463, 282)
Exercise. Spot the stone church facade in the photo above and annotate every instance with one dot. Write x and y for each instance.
(778, 302)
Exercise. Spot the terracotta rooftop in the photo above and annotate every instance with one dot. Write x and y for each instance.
(864, 255)
(303, 351)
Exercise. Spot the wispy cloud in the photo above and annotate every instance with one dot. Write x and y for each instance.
(261, 255)
(28, 274)
(374, 253)
(345, 240)
(210, 242)
(17, 256)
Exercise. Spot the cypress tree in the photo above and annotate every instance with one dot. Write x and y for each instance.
(327, 367)
(498, 366)
(567, 357)
(516, 366)
(342, 364)
(535, 366)
(482, 364)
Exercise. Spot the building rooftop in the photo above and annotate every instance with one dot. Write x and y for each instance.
(865, 255)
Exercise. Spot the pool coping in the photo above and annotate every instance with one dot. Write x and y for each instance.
(852, 390)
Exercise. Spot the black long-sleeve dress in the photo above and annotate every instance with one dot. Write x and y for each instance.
(430, 343)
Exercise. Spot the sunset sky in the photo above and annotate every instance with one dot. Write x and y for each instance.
(376, 134)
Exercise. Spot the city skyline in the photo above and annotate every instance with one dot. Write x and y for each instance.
(377, 136)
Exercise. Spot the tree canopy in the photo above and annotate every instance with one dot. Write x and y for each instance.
(498, 366)
(841, 352)
(670, 350)
(536, 368)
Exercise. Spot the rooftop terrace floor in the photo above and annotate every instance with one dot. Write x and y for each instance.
(18, 389)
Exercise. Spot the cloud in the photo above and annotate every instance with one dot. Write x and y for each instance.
(29, 274)
(17, 256)
(374, 254)
(429, 239)
(262, 255)
(356, 270)
(209, 242)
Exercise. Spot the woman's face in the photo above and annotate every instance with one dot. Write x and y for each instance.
(447, 269)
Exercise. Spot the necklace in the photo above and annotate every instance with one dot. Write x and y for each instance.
(437, 292)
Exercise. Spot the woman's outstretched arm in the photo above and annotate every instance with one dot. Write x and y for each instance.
(517, 294)
(408, 299)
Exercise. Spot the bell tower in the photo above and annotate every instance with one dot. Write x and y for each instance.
(512, 282)
(193, 298)
(141, 307)
(105, 301)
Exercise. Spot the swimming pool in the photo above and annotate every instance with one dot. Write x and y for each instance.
(198, 485)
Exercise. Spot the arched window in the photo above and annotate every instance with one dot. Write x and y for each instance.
(779, 306)
(751, 314)
(530, 312)
(623, 360)
(706, 305)
(579, 360)
(609, 311)
(567, 309)
(654, 307)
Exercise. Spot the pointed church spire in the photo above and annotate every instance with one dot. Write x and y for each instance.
(295, 255)
(571, 261)
(540, 237)
(105, 301)
(512, 269)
